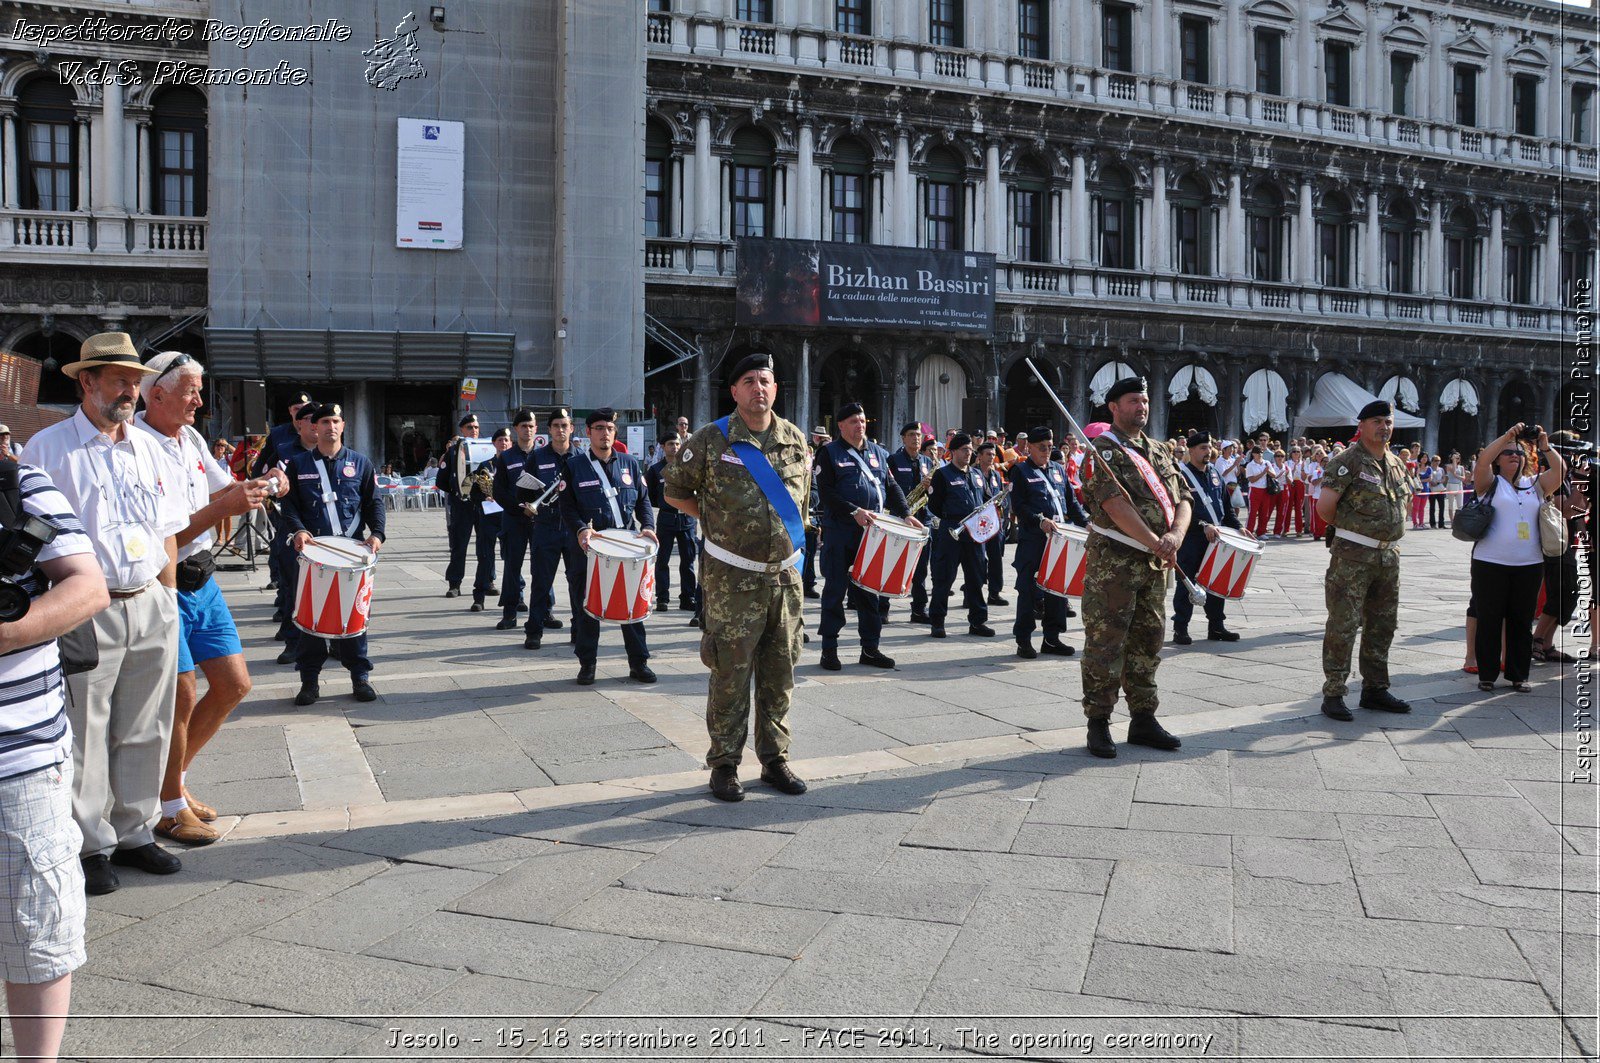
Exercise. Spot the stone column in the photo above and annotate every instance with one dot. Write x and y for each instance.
(1079, 225)
(1440, 102)
(901, 401)
(1157, 254)
(1547, 386)
(109, 194)
(1371, 94)
(1235, 234)
(11, 148)
(805, 181)
(85, 162)
(1435, 256)
(1550, 262)
(1494, 287)
(1499, 87)
(905, 224)
(804, 415)
(995, 197)
(1157, 384)
(1303, 74)
(1160, 34)
(1305, 229)
(1078, 398)
(702, 383)
(707, 216)
(1081, 44)
(142, 163)
(1555, 103)
(1231, 428)
(1371, 249)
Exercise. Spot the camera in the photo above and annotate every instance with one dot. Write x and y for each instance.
(20, 543)
(1529, 433)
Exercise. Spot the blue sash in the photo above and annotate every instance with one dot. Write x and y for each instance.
(766, 478)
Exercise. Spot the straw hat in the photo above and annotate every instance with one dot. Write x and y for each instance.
(106, 349)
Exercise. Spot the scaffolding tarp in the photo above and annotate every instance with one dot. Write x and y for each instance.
(1337, 401)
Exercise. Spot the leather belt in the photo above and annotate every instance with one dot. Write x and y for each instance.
(133, 592)
(771, 568)
(1361, 540)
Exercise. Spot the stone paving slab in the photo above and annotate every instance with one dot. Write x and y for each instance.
(1281, 887)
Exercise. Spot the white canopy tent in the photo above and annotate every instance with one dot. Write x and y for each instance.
(1459, 395)
(1105, 376)
(1337, 401)
(1402, 392)
(1266, 401)
(1193, 380)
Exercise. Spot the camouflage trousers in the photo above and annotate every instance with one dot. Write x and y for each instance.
(1124, 626)
(1362, 590)
(752, 637)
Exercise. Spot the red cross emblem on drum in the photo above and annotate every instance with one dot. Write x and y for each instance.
(622, 577)
(333, 593)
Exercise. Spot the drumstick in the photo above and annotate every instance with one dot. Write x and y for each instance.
(341, 550)
(1196, 595)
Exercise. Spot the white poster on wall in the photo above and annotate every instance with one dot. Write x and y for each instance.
(429, 175)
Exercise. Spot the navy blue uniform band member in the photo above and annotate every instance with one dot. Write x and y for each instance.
(853, 482)
(464, 516)
(516, 525)
(677, 531)
(333, 490)
(605, 489)
(1043, 502)
(910, 468)
(957, 491)
(1211, 509)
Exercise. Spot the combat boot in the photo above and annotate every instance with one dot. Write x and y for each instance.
(1100, 743)
(1056, 648)
(830, 658)
(1222, 634)
(725, 784)
(1334, 708)
(1180, 635)
(1383, 701)
(1145, 730)
(1025, 649)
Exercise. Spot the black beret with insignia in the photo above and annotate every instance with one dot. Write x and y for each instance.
(1376, 408)
(759, 360)
(1133, 385)
(604, 414)
(523, 417)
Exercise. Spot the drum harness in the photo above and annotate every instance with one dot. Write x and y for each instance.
(330, 498)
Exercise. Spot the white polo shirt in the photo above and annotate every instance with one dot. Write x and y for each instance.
(123, 492)
(195, 472)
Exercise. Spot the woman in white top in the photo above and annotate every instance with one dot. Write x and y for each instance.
(1313, 475)
(1455, 475)
(1507, 563)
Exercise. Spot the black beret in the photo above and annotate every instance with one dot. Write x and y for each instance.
(604, 413)
(1042, 434)
(759, 360)
(1199, 439)
(929, 444)
(1133, 385)
(524, 416)
(912, 427)
(327, 409)
(1376, 408)
(501, 433)
(301, 399)
(307, 407)
(848, 410)
(667, 437)
(560, 413)
(470, 418)
(959, 440)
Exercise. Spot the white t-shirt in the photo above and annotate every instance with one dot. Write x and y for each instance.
(1513, 537)
(1254, 469)
(1313, 473)
(1225, 467)
(196, 473)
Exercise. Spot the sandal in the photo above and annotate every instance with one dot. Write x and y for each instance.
(1555, 656)
(1470, 669)
(1521, 688)
(1539, 651)
(1486, 687)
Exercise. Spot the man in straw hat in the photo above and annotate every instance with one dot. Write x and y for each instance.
(119, 482)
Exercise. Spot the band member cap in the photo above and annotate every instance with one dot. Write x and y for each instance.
(1133, 385)
(523, 417)
(1376, 408)
(845, 412)
(604, 414)
(760, 360)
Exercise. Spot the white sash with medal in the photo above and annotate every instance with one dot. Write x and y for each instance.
(1151, 480)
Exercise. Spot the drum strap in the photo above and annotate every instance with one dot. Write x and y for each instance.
(866, 472)
(1200, 492)
(777, 495)
(1117, 537)
(608, 489)
(330, 500)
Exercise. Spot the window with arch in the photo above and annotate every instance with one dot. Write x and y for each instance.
(1033, 29)
(1522, 254)
(1463, 252)
(941, 200)
(1401, 235)
(1267, 224)
(657, 179)
(853, 17)
(1030, 212)
(178, 153)
(1269, 62)
(752, 183)
(1336, 241)
(1191, 227)
(946, 21)
(1577, 258)
(1116, 224)
(849, 198)
(49, 157)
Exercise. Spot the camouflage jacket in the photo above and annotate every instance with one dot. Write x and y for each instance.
(734, 513)
(1111, 459)
(1372, 493)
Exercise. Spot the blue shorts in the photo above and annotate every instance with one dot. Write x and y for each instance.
(205, 627)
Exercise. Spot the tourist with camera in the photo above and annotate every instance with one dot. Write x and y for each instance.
(117, 480)
(1507, 562)
(49, 585)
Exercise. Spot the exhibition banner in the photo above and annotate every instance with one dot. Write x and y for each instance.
(864, 286)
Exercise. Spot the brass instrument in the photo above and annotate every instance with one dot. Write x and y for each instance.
(483, 479)
(464, 473)
(918, 497)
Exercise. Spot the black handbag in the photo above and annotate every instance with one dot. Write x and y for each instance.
(1273, 486)
(79, 649)
(1472, 520)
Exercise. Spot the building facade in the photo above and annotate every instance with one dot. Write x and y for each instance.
(103, 181)
(1231, 198)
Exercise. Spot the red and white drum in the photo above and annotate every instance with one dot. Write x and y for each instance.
(886, 560)
(333, 592)
(1065, 561)
(1227, 564)
(622, 577)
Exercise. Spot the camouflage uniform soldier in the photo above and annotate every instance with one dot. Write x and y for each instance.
(749, 579)
(1364, 496)
(1124, 589)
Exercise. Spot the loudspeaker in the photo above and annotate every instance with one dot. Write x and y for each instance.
(253, 406)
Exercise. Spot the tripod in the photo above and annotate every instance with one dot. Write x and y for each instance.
(247, 541)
